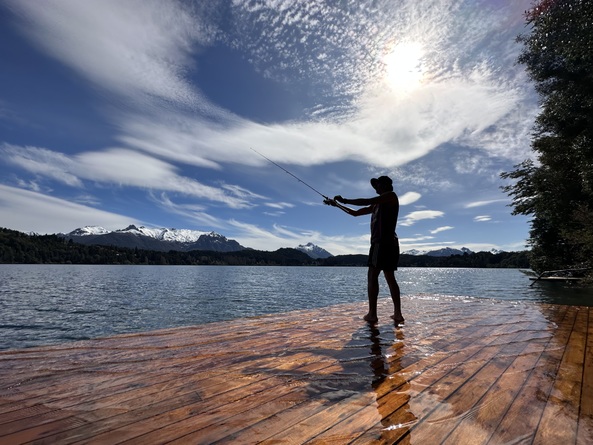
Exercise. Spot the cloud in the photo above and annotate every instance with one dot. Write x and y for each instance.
(385, 131)
(418, 244)
(413, 217)
(120, 167)
(29, 211)
(192, 212)
(472, 163)
(484, 203)
(409, 198)
(482, 218)
(461, 99)
(29, 185)
(241, 192)
(274, 214)
(259, 238)
(279, 205)
(281, 236)
(42, 162)
(139, 49)
(464, 94)
(440, 229)
(415, 239)
(424, 174)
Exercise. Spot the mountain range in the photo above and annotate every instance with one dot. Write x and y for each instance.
(164, 240)
(446, 251)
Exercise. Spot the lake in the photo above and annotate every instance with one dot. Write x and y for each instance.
(48, 304)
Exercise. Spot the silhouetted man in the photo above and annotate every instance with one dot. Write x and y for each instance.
(384, 252)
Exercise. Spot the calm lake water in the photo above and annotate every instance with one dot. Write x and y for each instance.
(46, 304)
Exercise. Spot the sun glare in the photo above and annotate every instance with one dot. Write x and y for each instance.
(403, 70)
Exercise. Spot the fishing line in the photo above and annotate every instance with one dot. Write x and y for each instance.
(295, 177)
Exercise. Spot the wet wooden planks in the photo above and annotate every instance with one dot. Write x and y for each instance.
(461, 371)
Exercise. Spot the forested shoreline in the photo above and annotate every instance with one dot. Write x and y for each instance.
(20, 248)
(554, 186)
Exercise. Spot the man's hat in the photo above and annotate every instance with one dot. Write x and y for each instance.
(383, 180)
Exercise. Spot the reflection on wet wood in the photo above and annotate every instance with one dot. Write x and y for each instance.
(460, 372)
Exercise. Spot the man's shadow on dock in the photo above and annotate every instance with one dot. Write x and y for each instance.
(366, 369)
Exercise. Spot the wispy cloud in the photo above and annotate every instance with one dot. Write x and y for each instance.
(460, 99)
(120, 167)
(46, 214)
(482, 218)
(413, 217)
(191, 212)
(440, 229)
(415, 239)
(474, 204)
(281, 236)
(279, 205)
(241, 192)
(138, 49)
(43, 162)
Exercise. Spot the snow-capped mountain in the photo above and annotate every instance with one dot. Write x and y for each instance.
(162, 234)
(314, 251)
(88, 230)
(415, 252)
(161, 239)
(445, 251)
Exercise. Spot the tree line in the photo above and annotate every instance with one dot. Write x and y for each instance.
(556, 187)
(20, 248)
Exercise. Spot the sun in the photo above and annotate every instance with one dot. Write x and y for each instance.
(403, 68)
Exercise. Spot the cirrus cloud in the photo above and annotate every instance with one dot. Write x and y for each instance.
(120, 167)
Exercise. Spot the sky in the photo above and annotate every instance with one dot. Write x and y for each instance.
(148, 112)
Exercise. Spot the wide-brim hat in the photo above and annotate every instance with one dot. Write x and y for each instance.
(383, 180)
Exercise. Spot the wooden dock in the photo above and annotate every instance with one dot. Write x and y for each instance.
(461, 371)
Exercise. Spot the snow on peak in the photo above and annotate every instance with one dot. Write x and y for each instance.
(445, 251)
(164, 234)
(161, 234)
(89, 230)
(415, 252)
(181, 235)
(314, 251)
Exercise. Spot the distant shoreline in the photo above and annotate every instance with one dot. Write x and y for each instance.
(20, 248)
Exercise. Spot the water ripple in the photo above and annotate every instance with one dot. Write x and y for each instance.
(40, 303)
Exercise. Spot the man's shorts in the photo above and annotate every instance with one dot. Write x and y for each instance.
(384, 255)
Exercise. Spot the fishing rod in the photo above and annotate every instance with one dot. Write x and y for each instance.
(295, 177)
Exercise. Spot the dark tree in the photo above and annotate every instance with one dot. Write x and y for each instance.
(556, 188)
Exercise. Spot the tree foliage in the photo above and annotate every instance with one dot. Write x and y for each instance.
(556, 188)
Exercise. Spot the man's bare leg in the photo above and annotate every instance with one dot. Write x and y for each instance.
(397, 316)
(373, 294)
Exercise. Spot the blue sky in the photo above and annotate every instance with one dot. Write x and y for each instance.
(144, 112)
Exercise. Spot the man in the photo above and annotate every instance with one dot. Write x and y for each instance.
(384, 252)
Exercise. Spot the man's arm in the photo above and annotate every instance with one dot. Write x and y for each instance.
(380, 199)
(358, 212)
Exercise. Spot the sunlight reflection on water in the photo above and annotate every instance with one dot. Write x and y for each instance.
(42, 304)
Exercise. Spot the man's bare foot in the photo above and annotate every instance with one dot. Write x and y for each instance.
(370, 318)
(398, 320)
